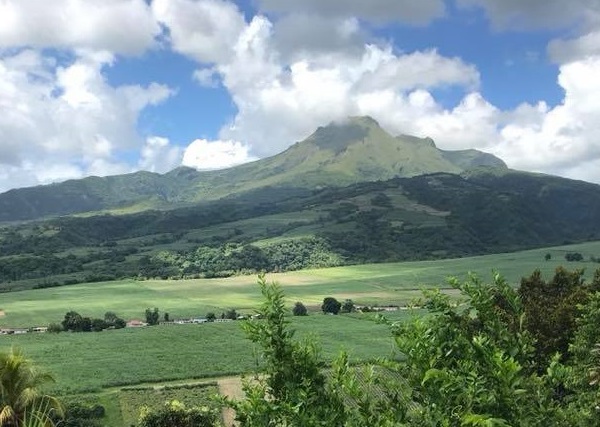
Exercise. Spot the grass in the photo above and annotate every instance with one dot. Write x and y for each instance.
(396, 283)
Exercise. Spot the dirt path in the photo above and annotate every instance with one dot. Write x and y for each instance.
(230, 387)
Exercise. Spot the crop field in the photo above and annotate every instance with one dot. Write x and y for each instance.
(394, 283)
(92, 361)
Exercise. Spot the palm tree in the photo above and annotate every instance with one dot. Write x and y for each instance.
(21, 402)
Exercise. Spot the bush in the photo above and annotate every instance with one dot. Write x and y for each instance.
(573, 256)
(55, 328)
(299, 309)
(331, 305)
(175, 414)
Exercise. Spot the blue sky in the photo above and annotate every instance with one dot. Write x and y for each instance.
(98, 88)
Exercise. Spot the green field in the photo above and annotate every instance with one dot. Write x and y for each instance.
(93, 361)
(99, 364)
(395, 283)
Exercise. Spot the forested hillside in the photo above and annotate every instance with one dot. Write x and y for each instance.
(277, 229)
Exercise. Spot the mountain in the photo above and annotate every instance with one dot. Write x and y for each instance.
(340, 154)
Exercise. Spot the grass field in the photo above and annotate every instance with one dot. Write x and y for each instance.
(396, 283)
(93, 361)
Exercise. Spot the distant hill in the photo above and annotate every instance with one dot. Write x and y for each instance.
(339, 154)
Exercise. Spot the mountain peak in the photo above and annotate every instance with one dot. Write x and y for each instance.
(364, 121)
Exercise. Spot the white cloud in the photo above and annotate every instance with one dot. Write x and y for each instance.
(204, 30)
(559, 139)
(209, 155)
(158, 155)
(120, 26)
(67, 116)
(207, 77)
(378, 11)
(563, 51)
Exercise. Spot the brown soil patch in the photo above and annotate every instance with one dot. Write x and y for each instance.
(230, 387)
(2, 313)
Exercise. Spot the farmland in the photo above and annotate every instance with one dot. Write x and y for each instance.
(99, 365)
(393, 283)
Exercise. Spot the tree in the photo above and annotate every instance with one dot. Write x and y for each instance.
(348, 306)
(551, 309)
(152, 316)
(98, 325)
(548, 256)
(291, 389)
(211, 316)
(299, 309)
(231, 314)
(331, 305)
(470, 364)
(21, 402)
(72, 322)
(573, 256)
(166, 317)
(114, 321)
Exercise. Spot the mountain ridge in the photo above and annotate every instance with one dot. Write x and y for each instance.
(339, 154)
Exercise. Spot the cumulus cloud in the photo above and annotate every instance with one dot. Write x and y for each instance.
(559, 139)
(204, 30)
(159, 155)
(120, 26)
(527, 14)
(209, 155)
(563, 51)
(299, 35)
(66, 115)
(378, 11)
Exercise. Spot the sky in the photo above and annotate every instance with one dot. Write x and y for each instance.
(103, 87)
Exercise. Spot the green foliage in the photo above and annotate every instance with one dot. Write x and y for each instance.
(348, 306)
(331, 305)
(551, 310)
(470, 364)
(21, 401)
(176, 414)
(299, 309)
(79, 413)
(291, 389)
(55, 328)
(152, 316)
(573, 256)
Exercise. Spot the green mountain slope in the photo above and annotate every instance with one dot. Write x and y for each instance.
(423, 217)
(335, 155)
